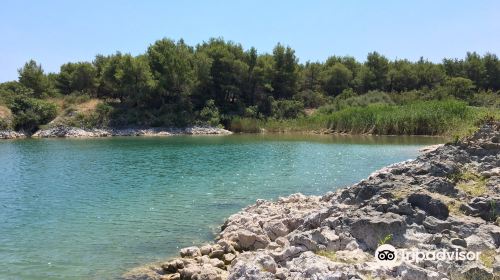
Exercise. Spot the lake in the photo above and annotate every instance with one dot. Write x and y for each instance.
(93, 208)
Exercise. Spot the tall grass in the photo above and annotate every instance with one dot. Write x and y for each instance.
(247, 125)
(419, 118)
(447, 117)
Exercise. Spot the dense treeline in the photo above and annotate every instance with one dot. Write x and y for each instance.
(174, 84)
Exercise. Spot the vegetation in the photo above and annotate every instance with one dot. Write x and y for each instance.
(487, 257)
(385, 240)
(219, 82)
(470, 182)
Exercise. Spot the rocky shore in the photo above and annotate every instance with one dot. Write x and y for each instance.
(10, 134)
(448, 199)
(65, 131)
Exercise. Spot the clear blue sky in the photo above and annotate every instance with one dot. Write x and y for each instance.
(55, 32)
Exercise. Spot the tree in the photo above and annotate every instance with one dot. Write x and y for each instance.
(429, 75)
(285, 76)
(31, 75)
(171, 64)
(459, 87)
(474, 68)
(264, 73)
(378, 65)
(311, 76)
(228, 77)
(454, 67)
(127, 78)
(80, 76)
(491, 71)
(401, 76)
(336, 78)
(251, 79)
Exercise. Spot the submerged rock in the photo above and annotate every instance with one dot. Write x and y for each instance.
(413, 205)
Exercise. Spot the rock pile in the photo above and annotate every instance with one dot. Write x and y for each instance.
(447, 199)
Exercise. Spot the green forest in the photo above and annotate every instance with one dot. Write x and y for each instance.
(220, 83)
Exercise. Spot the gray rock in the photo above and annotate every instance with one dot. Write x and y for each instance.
(190, 252)
(372, 227)
(435, 225)
(459, 242)
(430, 205)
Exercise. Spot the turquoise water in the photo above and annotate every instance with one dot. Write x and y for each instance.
(93, 208)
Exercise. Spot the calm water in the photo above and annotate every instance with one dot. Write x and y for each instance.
(92, 208)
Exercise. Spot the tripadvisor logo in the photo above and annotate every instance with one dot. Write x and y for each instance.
(388, 255)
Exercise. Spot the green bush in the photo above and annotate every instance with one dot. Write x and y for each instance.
(459, 87)
(344, 101)
(486, 99)
(30, 113)
(311, 99)
(210, 114)
(252, 112)
(287, 109)
(4, 125)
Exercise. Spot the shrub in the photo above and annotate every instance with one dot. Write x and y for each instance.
(4, 124)
(347, 93)
(287, 109)
(311, 99)
(349, 99)
(486, 99)
(30, 113)
(210, 113)
(459, 87)
(252, 112)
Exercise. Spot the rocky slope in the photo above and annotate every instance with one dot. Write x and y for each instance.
(447, 199)
(65, 131)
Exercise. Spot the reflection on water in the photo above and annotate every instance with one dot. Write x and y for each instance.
(91, 208)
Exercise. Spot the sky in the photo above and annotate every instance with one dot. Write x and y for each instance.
(55, 32)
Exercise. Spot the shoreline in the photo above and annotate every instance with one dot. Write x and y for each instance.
(430, 203)
(73, 132)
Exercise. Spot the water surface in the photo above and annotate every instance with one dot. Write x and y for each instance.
(93, 208)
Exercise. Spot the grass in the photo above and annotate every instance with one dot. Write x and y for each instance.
(470, 182)
(418, 118)
(386, 239)
(446, 118)
(454, 207)
(487, 258)
(328, 254)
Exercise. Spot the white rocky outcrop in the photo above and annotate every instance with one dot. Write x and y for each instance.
(64, 131)
(10, 134)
